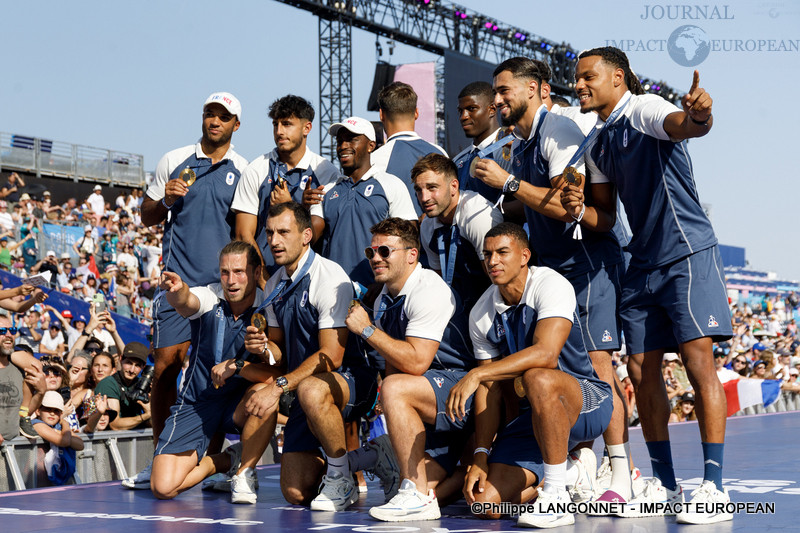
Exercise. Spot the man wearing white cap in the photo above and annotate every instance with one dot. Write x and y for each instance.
(97, 202)
(361, 198)
(191, 194)
(86, 245)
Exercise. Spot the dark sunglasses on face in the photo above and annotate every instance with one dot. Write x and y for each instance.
(51, 370)
(94, 350)
(12, 331)
(383, 251)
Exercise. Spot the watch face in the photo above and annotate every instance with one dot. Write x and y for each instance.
(513, 186)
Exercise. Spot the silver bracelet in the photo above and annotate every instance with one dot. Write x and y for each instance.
(481, 449)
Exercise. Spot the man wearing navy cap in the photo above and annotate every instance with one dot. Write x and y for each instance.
(191, 195)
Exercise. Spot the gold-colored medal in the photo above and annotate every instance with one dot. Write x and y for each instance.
(188, 176)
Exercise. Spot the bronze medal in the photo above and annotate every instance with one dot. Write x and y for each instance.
(188, 176)
(258, 321)
(518, 387)
(572, 176)
(473, 165)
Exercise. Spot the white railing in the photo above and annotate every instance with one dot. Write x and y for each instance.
(56, 158)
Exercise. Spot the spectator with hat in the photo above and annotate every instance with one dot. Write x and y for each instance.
(86, 245)
(48, 264)
(59, 461)
(97, 202)
(6, 248)
(684, 409)
(130, 413)
(53, 341)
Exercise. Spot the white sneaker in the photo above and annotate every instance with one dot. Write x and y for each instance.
(140, 481)
(221, 482)
(586, 463)
(408, 504)
(336, 493)
(386, 468)
(654, 500)
(637, 481)
(243, 487)
(703, 507)
(547, 513)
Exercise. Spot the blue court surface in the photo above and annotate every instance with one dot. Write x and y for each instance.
(761, 466)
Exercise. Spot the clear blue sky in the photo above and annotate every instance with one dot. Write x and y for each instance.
(132, 76)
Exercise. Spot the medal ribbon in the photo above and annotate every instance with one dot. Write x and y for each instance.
(384, 306)
(448, 259)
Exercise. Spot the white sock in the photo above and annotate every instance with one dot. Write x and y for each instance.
(572, 474)
(620, 470)
(555, 477)
(338, 464)
(362, 459)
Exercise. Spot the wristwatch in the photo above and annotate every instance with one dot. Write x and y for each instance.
(239, 364)
(283, 383)
(367, 332)
(512, 186)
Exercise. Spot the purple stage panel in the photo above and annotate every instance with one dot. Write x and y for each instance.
(760, 468)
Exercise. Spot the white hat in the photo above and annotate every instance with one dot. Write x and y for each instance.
(622, 372)
(98, 188)
(670, 356)
(25, 196)
(65, 255)
(51, 253)
(53, 400)
(357, 125)
(46, 193)
(228, 101)
(87, 227)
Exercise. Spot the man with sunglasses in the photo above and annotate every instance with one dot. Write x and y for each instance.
(191, 195)
(17, 396)
(364, 196)
(425, 344)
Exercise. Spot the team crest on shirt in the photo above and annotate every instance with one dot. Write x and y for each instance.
(606, 336)
(218, 314)
(369, 189)
(625, 139)
(439, 381)
(501, 331)
(712, 322)
(230, 178)
(335, 195)
(304, 299)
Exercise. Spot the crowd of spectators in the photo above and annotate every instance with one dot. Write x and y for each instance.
(765, 345)
(76, 372)
(116, 257)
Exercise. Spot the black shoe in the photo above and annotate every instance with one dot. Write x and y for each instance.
(26, 428)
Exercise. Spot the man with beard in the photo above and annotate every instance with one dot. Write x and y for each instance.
(361, 198)
(454, 226)
(223, 374)
(130, 413)
(673, 295)
(191, 194)
(281, 175)
(478, 116)
(592, 262)
(307, 306)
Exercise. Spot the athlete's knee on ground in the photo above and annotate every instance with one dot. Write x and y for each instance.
(297, 495)
(161, 488)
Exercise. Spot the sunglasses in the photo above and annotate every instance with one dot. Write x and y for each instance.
(94, 350)
(383, 251)
(52, 371)
(12, 331)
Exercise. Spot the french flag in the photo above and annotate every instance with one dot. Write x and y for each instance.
(743, 393)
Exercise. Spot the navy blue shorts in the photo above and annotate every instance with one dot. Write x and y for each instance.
(598, 293)
(676, 303)
(362, 381)
(169, 328)
(515, 444)
(445, 439)
(190, 426)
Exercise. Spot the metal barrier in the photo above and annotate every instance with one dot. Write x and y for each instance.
(787, 401)
(75, 161)
(106, 456)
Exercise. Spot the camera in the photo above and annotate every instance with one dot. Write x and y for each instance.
(140, 390)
